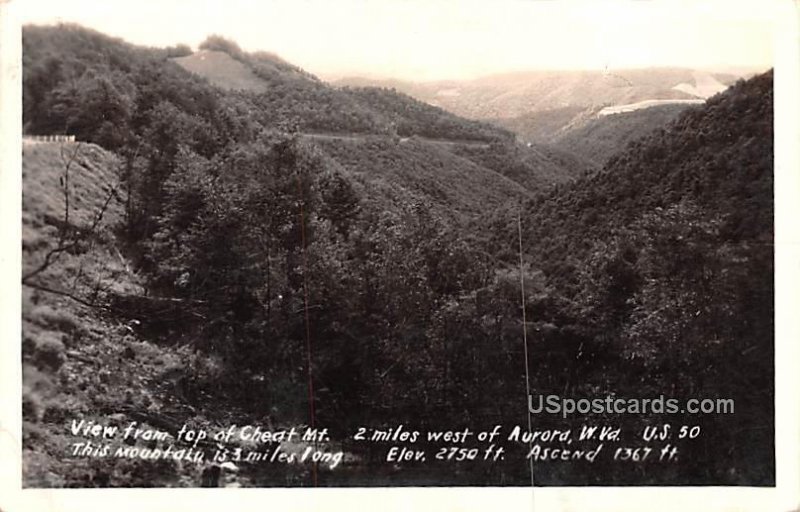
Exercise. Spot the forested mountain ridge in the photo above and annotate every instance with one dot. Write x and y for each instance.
(109, 92)
(665, 258)
(564, 108)
(67, 64)
(719, 156)
(298, 100)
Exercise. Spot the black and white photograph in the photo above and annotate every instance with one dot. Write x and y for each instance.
(398, 244)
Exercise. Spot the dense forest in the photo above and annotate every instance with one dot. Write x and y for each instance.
(384, 264)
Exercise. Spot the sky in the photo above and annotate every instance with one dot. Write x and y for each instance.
(445, 39)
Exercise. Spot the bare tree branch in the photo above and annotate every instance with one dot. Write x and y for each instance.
(67, 242)
(41, 287)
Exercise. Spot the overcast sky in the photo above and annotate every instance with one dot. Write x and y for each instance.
(440, 39)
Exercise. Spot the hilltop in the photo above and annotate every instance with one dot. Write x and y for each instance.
(222, 70)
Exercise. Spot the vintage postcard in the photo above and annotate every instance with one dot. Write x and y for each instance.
(430, 254)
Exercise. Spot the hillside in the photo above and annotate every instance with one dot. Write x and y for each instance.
(81, 359)
(536, 167)
(546, 125)
(460, 180)
(600, 137)
(408, 117)
(718, 156)
(425, 172)
(665, 257)
(73, 353)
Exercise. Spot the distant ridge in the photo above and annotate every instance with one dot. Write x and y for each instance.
(510, 95)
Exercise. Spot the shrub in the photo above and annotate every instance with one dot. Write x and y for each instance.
(45, 350)
(32, 407)
(60, 319)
